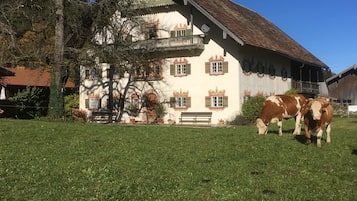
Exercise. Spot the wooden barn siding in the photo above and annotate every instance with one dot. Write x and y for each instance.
(345, 88)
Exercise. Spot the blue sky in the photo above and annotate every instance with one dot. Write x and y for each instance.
(327, 28)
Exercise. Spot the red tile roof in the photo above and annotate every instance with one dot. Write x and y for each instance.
(29, 77)
(252, 29)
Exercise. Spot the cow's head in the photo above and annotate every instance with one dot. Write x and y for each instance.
(262, 127)
(317, 108)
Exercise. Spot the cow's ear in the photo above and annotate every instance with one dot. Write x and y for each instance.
(325, 104)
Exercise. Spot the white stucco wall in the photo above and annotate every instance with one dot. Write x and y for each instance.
(235, 83)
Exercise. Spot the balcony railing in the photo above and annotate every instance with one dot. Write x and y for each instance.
(176, 46)
(306, 87)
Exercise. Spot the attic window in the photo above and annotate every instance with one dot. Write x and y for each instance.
(151, 30)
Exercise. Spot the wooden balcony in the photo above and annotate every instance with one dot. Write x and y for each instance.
(172, 47)
(306, 87)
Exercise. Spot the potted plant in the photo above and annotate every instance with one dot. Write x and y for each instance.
(133, 111)
(160, 111)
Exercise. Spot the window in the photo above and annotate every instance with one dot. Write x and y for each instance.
(180, 69)
(216, 101)
(180, 33)
(93, 73)
(151, 32)
(180, 102)
(216, 67)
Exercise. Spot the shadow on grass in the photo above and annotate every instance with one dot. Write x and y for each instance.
(354, 152)
(302, 139)
(289, 131)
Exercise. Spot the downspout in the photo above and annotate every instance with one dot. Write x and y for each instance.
(300, 68)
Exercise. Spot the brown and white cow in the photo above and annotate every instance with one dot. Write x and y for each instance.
(317, 115)
(279, 107)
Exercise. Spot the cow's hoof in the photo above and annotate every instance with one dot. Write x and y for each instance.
(308, 142)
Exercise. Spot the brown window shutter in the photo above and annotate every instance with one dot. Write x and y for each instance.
(172, 69)
(188, 32)
(208, 67)
(188, 69)
(172, 101)
(208, 101)
(225, 67)
(86, 103)
(188, 102)
(225, 101)
(172, 34)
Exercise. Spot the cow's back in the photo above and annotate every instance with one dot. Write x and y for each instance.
(281, 106)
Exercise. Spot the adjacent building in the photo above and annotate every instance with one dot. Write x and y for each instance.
(343, 86)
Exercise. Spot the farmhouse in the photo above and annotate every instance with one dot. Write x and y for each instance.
(217, 54)
(342, 87)
(15, 79)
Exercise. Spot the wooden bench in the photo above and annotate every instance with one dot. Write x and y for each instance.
(351, 108)
(103, 116)
(195, 117)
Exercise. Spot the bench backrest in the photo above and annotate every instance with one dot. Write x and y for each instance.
(196, 114)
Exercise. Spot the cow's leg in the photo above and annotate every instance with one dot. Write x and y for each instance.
(307, 135)
(328, 132)
(280, 126)
(319, 136)
(297, 129)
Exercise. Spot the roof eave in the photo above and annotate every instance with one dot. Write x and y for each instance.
(219, 24)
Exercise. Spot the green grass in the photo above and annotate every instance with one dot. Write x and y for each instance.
(42, 160)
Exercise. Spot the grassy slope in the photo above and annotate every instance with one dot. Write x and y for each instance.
(71, 161)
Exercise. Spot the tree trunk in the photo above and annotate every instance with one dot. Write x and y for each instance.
(56, 103)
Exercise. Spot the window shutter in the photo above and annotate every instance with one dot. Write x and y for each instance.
(189, 32)
(188, 102)
(86, 103)
(172, 101)
(172, 69)
(173, 34)
(225, 101)
(208, 101)
(188, 69)
(208, 67)
(225, 67)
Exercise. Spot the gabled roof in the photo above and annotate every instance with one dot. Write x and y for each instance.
(249, 28)
(350, 70)
(29, 77)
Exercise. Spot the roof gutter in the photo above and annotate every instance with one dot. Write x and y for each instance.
(215, 21)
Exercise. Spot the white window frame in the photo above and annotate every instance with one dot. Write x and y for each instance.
(216, 101)
(181, 102)
(216, 67)
(180, 69)
(180, 33)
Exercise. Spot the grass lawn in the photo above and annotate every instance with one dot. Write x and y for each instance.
(42, 160)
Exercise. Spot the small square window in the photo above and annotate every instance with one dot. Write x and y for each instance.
(180, 69)
(180, 102)
(216, 67)
(216, 101)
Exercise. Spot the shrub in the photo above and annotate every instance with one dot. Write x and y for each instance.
(251, 108)
(240, 120)
(29, 103)
(291, 91)
(79, 115)
(70, 102)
